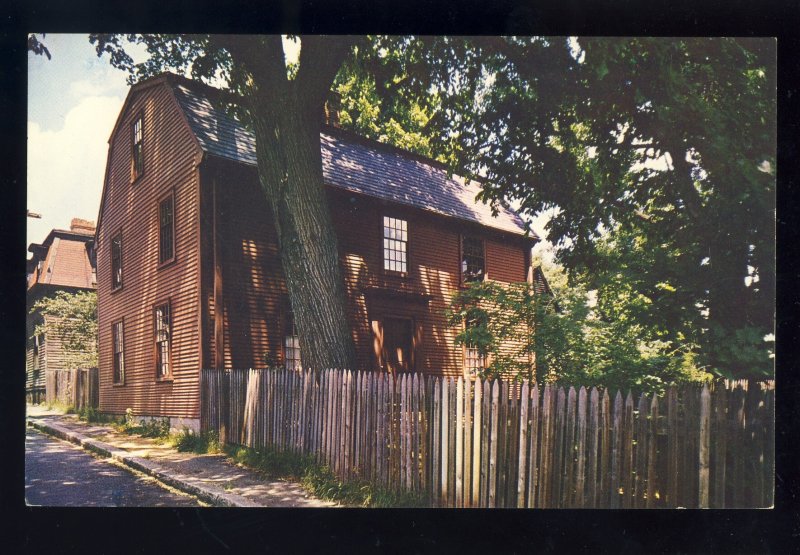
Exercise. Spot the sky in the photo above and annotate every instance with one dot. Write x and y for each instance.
(73, 101)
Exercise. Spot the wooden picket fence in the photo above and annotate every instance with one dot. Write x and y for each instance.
(78, 388)
(464, 443)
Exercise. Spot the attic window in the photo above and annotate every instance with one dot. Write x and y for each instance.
(473, 261)
(137, 162)
(395, 245)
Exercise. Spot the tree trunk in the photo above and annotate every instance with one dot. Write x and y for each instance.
(307, 242)
(286, 117)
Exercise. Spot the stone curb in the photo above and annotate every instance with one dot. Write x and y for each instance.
(209, 494)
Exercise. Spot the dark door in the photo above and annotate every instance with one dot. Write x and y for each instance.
(398, 344)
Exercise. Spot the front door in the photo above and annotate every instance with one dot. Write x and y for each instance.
(398, 336)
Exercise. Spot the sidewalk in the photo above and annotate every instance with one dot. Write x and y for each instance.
(212, 478)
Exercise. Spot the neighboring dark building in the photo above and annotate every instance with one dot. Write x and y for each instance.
(188, 269)
(64, 261)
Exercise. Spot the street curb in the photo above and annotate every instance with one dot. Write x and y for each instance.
(214, 496)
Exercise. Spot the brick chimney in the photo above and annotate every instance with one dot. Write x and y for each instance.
(81, 226)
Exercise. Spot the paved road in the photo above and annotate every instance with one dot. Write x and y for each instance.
(60, 474)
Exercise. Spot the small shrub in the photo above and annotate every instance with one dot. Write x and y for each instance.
(204, 442)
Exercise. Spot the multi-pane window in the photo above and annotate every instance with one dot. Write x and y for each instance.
(474, 361)
(163, 331)
(137, 154)
(395, 244)
(119, 355)
(166, 230)
(291, 347)
(116, 261)
(473, 262)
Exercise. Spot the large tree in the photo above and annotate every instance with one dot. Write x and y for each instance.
(656, 155)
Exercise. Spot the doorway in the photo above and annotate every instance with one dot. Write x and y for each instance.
(398, 344)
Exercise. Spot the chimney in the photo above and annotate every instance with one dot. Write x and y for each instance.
(81, 226)
(332, 107)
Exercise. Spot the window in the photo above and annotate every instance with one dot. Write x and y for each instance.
(472, 259)
(119, 355)
(291, 346)
(116, 261)
(395, 244)
(163, 320)
(38, 344)
(474, 361)
(137, 165)
(166, 230)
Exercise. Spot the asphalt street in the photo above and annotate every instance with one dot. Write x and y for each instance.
(60, 474)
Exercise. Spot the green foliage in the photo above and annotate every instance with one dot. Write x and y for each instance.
(570, 336)
(189, 441)
(93, 415)
(661, 148)
(657, 157)
(73, 318)
(317, 479)
(157, 428)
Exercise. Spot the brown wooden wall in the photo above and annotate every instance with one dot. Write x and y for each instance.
(170, 157)
(254, 295)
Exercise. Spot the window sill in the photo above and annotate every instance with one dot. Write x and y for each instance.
(118, 384)
(395, 273)
(116, 289)
(169, 379)
(167, 263)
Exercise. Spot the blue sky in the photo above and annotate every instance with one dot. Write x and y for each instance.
(73, 102)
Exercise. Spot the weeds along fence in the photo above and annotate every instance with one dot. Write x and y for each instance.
(75, 387)
(463, 443)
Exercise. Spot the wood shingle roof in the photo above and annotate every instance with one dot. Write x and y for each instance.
(350, 163)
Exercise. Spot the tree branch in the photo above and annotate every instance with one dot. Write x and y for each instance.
(320, 60)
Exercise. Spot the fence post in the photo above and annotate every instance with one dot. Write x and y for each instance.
(703, 458)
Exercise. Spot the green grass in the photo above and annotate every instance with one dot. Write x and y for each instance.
(319, 480)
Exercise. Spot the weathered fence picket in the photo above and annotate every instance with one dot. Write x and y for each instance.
(460, 442)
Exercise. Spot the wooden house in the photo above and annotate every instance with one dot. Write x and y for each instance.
(64, 261)
(188, 269)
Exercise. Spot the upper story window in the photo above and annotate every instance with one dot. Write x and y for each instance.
(137, 161)
(473, 261)
(119, 353)
(291, 346)
(395, 244)
(163, 329)
(116, 261)
(166, 230)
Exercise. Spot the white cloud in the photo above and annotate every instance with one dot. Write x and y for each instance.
(66, 167)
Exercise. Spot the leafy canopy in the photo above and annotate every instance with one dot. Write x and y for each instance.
(71, 317)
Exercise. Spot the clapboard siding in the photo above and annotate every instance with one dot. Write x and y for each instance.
(254, 296)
(169, 158)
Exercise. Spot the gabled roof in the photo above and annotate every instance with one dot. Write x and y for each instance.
(348, 162)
